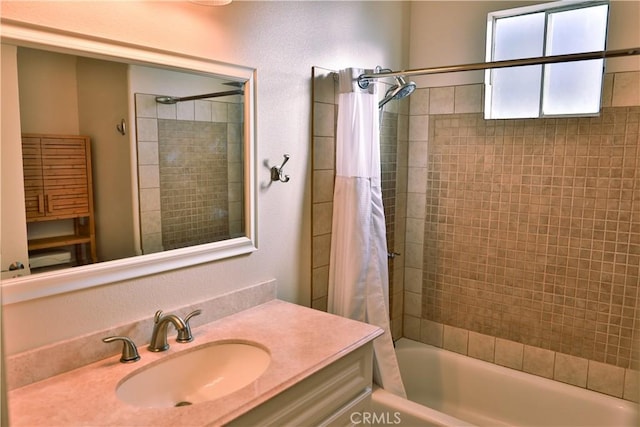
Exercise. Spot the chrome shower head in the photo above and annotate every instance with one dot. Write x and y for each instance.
(167, 99)
(400, 90)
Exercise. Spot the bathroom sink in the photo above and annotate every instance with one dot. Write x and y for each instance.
(204, 373)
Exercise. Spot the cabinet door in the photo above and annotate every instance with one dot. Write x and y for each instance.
(64, 173)
(33, 182)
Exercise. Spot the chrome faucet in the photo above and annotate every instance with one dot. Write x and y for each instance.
(161, 324)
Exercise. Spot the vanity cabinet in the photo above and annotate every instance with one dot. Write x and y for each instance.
(58, 186)
(332, 396)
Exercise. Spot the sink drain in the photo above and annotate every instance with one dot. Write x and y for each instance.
(183, 403)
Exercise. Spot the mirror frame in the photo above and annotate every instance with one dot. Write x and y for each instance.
(56, 282)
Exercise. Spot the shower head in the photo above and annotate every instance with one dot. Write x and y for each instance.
(400, 90)
(167, 99)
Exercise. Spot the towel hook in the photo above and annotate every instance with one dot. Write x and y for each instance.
(277, 173)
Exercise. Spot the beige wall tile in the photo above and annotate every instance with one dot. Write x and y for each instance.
(441, 100)
(468, 99)
(146, 105)
(418, 152)
(538, 361)
(148, 153)
(415, 205)
(323, 119)
(419, 102)
(431, 333)
(203, 111)
(148, 176)
(571, 370)
(632, 385)
(455, 339)
(150, 201)
(417, 182)
(414, 230)
(186, 110)
(321, 250)
(223, 112)
(413, 280)
(605, 378)
(323, 181)
(324, 86)
(324, 149)
(411, 327)
(403, 127)
(320, 282)
(509, 353)
(147, 130)
(481, 346)
(319, 304)
(418, 128)
(413, 255)
(322, 213)
(412, 304)
(626, 89)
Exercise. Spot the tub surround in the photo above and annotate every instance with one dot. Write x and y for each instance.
(302, 341)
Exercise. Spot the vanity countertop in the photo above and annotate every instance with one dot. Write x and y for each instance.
(301, 341)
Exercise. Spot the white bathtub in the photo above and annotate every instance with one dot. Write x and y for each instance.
(448, 389)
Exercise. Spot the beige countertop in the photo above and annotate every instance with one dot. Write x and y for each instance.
(301, 342)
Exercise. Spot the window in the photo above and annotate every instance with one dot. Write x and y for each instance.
(558, 28)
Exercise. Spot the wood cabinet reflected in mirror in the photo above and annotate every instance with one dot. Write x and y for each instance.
(167, 183)
(184, 154)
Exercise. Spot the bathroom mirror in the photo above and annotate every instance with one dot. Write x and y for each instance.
(226, 118)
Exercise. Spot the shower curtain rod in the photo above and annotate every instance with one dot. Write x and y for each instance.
(365, 78)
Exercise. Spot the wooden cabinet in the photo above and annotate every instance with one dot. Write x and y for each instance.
(58, 186)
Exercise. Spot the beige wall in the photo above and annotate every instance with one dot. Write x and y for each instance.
(453, 32)
(282, 40)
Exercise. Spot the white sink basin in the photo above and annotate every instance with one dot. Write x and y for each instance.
(204, 373)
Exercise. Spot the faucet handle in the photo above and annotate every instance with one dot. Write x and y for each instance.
(129, 349)
(184, 335)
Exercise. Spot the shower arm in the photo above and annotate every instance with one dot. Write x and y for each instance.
(365, 79)
(211, 95)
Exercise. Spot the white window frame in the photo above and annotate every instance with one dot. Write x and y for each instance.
(547, 8)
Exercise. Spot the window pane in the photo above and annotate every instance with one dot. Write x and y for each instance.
(575, 87)
(518, 37)
(578, 30)
(515, 92)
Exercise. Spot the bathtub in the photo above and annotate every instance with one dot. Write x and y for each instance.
(448, 389)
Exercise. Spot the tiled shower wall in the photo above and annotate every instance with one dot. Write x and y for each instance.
(520, 239)
(523, 236)
(193, 182)
(393, 136)
(190, 172)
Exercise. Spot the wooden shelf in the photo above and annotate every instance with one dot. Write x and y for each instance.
(57, 241)
(58, 185)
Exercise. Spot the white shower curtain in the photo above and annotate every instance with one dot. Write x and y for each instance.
(358, 275)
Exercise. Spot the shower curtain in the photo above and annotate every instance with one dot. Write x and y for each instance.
(358, 275)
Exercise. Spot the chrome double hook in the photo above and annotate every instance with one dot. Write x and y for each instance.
(276, 172)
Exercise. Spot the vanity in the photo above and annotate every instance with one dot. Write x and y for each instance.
(319, 372)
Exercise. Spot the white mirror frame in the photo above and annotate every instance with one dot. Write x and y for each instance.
(71, 279)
